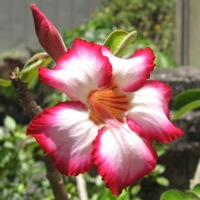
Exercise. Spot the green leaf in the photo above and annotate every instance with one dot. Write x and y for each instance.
(186, 97)
(8, 145)
(178, 195)
(5, 83)
(30, 70)
(193, 194)
(119, 40)
(162, 181)
(196, 189)
(10, 123)
(135, 189)
(158, 170)
(186, 108)
(161, 60)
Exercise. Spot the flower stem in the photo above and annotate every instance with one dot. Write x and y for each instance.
(32, 109)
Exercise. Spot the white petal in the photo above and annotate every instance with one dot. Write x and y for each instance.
(130, 74)
(122, 157)
(66, 134)
(150, 113)
(81, 70)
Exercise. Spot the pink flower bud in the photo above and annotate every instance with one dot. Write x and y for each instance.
(48, 35)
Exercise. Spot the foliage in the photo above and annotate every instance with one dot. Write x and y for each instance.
(21, 177)
(30, 70)
(185, 102)
(26, 72)
(118, 41)
(153, 21)
(193, 194)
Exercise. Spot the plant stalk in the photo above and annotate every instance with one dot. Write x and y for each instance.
(32, 109)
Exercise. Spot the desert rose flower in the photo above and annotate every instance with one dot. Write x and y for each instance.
(114, 114)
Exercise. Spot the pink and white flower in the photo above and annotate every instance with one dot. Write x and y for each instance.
(114, 115)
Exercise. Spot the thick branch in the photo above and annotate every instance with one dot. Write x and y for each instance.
(32, 109)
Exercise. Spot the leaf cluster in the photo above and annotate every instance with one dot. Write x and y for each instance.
(153, 21)
(22, 174)
(193, 194)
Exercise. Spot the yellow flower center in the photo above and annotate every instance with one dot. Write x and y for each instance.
(108, 102)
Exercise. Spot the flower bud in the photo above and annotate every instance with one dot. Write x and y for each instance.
(48, 35)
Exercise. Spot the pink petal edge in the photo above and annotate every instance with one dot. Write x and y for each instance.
(130, 74)
(79, 71)
(88, 56)
(122, 157)
(150, 113)
(66, 134)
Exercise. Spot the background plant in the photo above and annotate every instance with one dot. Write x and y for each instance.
(153, 20)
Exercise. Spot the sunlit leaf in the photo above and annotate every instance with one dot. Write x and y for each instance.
(178, 195)
(119, 40)
(194, 195)
(196, 189)
(30, 70)
(162, 181)
(135, 189)
(5, 83)
(186, 97)
(186, 108)
(10, 123)
(161, 60)
(8, 145)
(1, 134)
(158, 170)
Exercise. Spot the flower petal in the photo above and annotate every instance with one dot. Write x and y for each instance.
(79, 71)
(48, 35)
(150, 113)
(122, 157)
(66, 134)
(130, 74)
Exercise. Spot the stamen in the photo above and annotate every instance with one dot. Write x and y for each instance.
(108, 102)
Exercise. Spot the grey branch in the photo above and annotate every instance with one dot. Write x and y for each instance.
(81, 185)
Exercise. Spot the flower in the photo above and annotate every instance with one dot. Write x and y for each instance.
(48, 35)
(114, 115)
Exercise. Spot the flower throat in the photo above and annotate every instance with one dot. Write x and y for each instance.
(108, 102)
